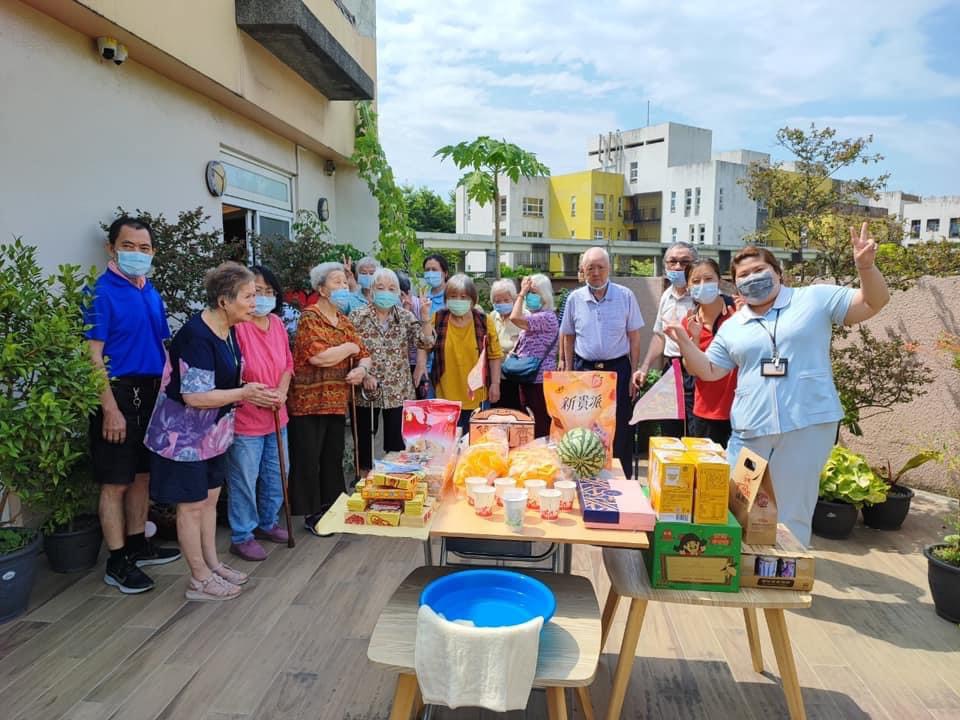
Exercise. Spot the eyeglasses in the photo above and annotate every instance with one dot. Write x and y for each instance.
(682, 263)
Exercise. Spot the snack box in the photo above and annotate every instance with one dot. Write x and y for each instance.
(390, 518)
(420, 519)
(376, 492)
(400, 481)
(355, 517)
(415, 506)
(785, 566)
(706, 444)
(691, 556)
(671, 476)
(614, 504)
(658, 442)
(356, 503)
(711, 489)
(518, 426)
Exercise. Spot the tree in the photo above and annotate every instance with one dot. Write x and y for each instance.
(485, 159)
(427, 211)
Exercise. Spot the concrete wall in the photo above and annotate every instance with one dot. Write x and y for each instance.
(920, 314)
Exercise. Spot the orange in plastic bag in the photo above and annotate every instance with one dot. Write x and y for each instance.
(487, 459)
(534, 461)
(582, 399)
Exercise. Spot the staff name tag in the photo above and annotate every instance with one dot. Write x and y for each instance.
(773, 367)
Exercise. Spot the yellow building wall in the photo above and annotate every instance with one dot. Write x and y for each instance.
(583, 225)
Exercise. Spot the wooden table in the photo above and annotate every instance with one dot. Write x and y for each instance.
(569, 646)
(628, 578)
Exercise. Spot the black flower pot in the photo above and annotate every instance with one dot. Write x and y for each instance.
(944, 580)
(76, 550)
(890, 514)
(834, 520)
(17, 571)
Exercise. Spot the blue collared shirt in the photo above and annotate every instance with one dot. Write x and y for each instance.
(356, 301)
(437, 302)
(807, 395)
(600, 327)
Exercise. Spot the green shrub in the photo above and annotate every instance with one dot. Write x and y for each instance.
(846, 477)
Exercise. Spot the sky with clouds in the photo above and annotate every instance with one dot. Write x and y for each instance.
(550, 75)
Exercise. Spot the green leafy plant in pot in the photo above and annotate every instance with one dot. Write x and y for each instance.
(943, 558)
(18, 566)
(846, 483)
(48, 388)
(892, 511)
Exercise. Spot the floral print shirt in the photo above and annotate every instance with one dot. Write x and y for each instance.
(388, 345)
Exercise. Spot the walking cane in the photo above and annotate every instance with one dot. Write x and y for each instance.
(283, 477)
(353, 428)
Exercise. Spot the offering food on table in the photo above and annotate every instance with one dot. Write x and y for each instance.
(582, 451)
(536, 461)
(488, 459)
(582, 400)
(514, 426)
(429, 426)
(356, 503)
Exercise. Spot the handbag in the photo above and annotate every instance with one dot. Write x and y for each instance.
(523, 370)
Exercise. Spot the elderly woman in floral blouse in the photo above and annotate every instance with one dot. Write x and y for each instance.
(328, 357)
(387, 329)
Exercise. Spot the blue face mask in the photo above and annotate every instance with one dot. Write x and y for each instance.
(503, 308)
(458, 307)
(265, 305)
(434, 278)
(341, 298)
(677, 278)
(705, 293)
(756, 288)
(384, 299)
(134, 264)
(365, 281)
(533, 302)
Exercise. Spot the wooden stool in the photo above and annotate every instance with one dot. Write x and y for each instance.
(628, 578)
(569, 645)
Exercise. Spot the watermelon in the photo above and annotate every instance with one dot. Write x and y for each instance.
(582, 451)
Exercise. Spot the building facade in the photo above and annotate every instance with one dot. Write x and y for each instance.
(266, 89)
(925, 219)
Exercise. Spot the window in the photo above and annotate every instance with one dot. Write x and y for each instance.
(720, 199)
(599, 207)
(503, 207)
(469, 212)
(634, 172)
(618, 234)
(641, 212)
(687, 202)
(598, 234)
(933, 225)
(673, 201)
(719, 235)
(573, 234)
(696, 202)
(619, 207)
(503, 233)
(673, 234)
(914, 228)
(573, 206)
(531, 233)
(702, 237)
(955, 227)
(693, 232)
(532, 207)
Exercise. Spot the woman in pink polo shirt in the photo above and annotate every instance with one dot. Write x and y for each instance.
(253, 509)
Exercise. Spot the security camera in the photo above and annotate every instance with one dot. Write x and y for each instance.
(120, 55)
(107, 47)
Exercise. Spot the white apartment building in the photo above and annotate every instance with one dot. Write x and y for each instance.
(925, 219)
(701, 198)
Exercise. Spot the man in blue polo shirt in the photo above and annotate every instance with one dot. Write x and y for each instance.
(601, 331)
(127, 326)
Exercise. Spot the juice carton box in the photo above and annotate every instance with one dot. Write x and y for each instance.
(711, 489)
(705, 444)
(691, 556)
(671, 476)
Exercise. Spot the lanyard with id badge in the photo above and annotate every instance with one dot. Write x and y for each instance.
(773, 366)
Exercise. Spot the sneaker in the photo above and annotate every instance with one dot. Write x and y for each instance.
(234, 577)
(127, 577)
(212, 589)
(276, 534)
(249, 550)
(151, 554)
(310, 525)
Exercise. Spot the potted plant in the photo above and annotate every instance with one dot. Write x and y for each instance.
(892, 511)
(943, 558)
(846, 483)
(48, 388)
(18, 565)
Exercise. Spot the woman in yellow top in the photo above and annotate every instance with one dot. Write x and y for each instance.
(462, 331)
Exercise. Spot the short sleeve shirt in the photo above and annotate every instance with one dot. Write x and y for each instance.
(600, 327)
(540, 340)
(712, 400)
(266, 357)
(199, 362)
(672, 307)
(131, 323)
(460, 354)
(802, 321)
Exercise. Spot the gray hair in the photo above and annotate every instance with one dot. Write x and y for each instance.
(602, 251)
(367, 261)
(387, 274)
(225, 281)
(541, 283)
(682, 244)
(504, 285)
(319, 274)
(462, 283)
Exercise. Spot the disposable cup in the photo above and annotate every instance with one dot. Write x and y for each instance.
(474, 482)
(483, 500)
(514, 505)
(568, 491)
(549, 504)
(533, 488)
(501, 484)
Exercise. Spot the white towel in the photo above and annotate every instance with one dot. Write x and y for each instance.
(459, 665)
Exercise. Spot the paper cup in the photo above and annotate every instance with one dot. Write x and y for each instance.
(514, 505)
(474, 482)
(483, 500)
(549, 504)
(568, 491)
(501, 484)
(533, 488)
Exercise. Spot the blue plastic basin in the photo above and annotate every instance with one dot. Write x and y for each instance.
(489, 598)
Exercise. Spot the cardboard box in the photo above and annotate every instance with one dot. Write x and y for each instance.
(410, 519)
(701, 444)
(389, 518)
(376, 492)
(518, 426)
(711, 489)
(614, 503)
(664, 443)
(353, 517)
(753, 500)
(671, 476)
(356, 503)
(689, 556)
(788, 549)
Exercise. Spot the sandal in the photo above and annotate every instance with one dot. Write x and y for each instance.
(234, 577)
(211, 589)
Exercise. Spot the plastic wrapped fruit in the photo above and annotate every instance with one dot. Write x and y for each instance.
(487, 459)
(534, 461)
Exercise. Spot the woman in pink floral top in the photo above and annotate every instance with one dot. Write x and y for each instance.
(192, 425)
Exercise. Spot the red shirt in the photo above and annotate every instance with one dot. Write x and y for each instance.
(712, 400)
(266, 357)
